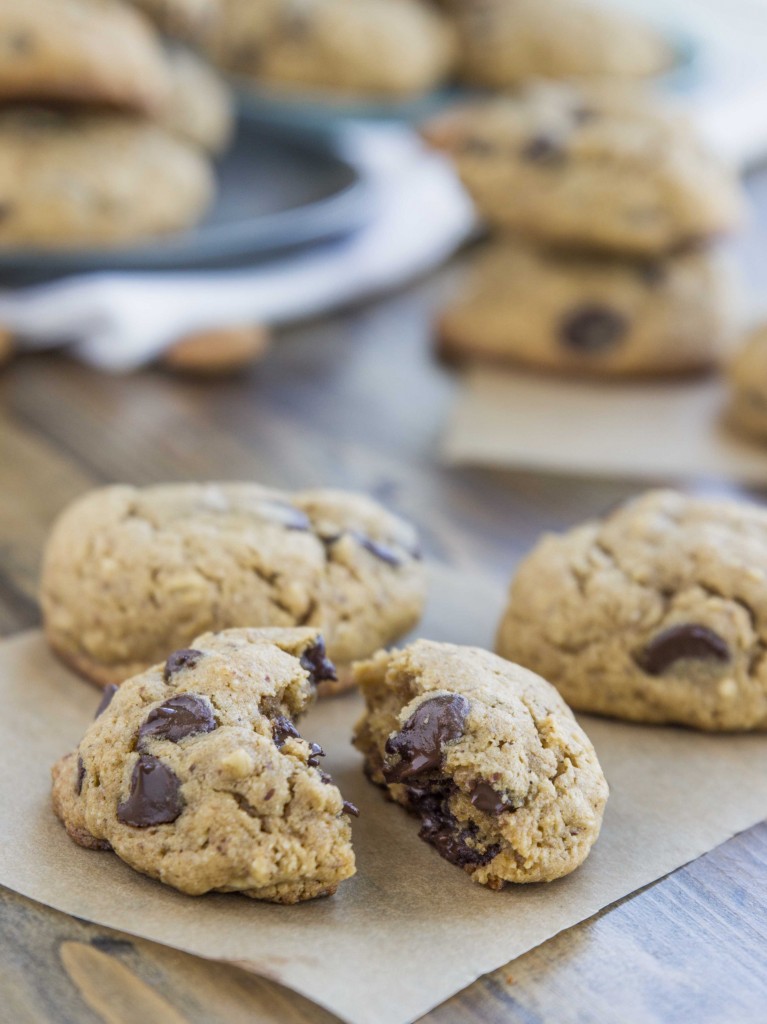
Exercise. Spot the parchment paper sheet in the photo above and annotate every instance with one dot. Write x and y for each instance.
(409, 930)
(648, 430)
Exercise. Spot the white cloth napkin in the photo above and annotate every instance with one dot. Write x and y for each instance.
(119, 321)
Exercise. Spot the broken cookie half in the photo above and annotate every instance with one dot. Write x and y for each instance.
(489, 757)
(194, 773)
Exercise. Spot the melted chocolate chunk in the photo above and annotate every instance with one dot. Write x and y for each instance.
(652, 272)
(185, 658)
(283, 729)
(80, 776)
(350, 808)
(593, 328)
(181, 716)
(544, 150)
(155, 795)
(315, 661)
(106, 700)
(486, 799)
(419, 744)
(688, 640)
(440, 828)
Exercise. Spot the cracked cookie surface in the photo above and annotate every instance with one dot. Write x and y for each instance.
(656, 613)
(130, 573)
(194, 773)
(589, 167)
(81, 51)
(489, 757)
(592, 314)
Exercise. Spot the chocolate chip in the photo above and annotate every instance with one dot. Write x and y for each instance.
(282, 730)
(677, 643)
(106, 700)
(155, 795)
(316, 752)
(80, 776)
(582, 115)
(326, 778)
(350, 808)
(440, 828)
(544, 150)
(487, 799)
(185, 658)
(181, 716)
(593, 328)
(315, 661)
(419, 743)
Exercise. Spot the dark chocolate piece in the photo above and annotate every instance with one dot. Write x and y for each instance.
(687, 640)
(283, 729)
(287, 515)
(186, 714)
(486, 799)
(106, 700)
(315, 661)
(544, 150)
(593, 328)
(440, 828)
(80, 776)
(439, 720)
(155, 795)
(185, 658)
(350, 808)
(315, 753)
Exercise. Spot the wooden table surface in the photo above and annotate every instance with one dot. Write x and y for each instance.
(351, 401)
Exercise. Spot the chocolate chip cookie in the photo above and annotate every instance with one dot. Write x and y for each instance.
(130, 573)
(194, 773)
(591, 314)
(80, 51)
(506, 783)
(589, 167)
(656, 613)
(352, 47)
(73, 179)
(505, 42)
(748, 386)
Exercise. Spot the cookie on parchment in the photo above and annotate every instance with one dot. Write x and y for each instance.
(505, 42)
(73, 179)
(506, 783)
(354, 47)
(132, 573)
(748, 386)
(656, 613)
(97, 52)
(585, 314)
(194, 773)
(606, 169)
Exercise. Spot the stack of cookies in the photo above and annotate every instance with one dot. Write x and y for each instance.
(104, 137)
(604, 208)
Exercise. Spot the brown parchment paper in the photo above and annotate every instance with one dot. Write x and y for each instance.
(645, 430)
(409, 930)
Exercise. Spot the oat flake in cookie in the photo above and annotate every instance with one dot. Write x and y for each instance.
(130, 574)
(655, 613)
(195, 773)
(488, 756)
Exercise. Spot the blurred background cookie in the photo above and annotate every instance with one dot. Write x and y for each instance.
(180, 19)
(360, 47)
(747, 376)
(201, 105)
(505, 42)
(91, 51)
